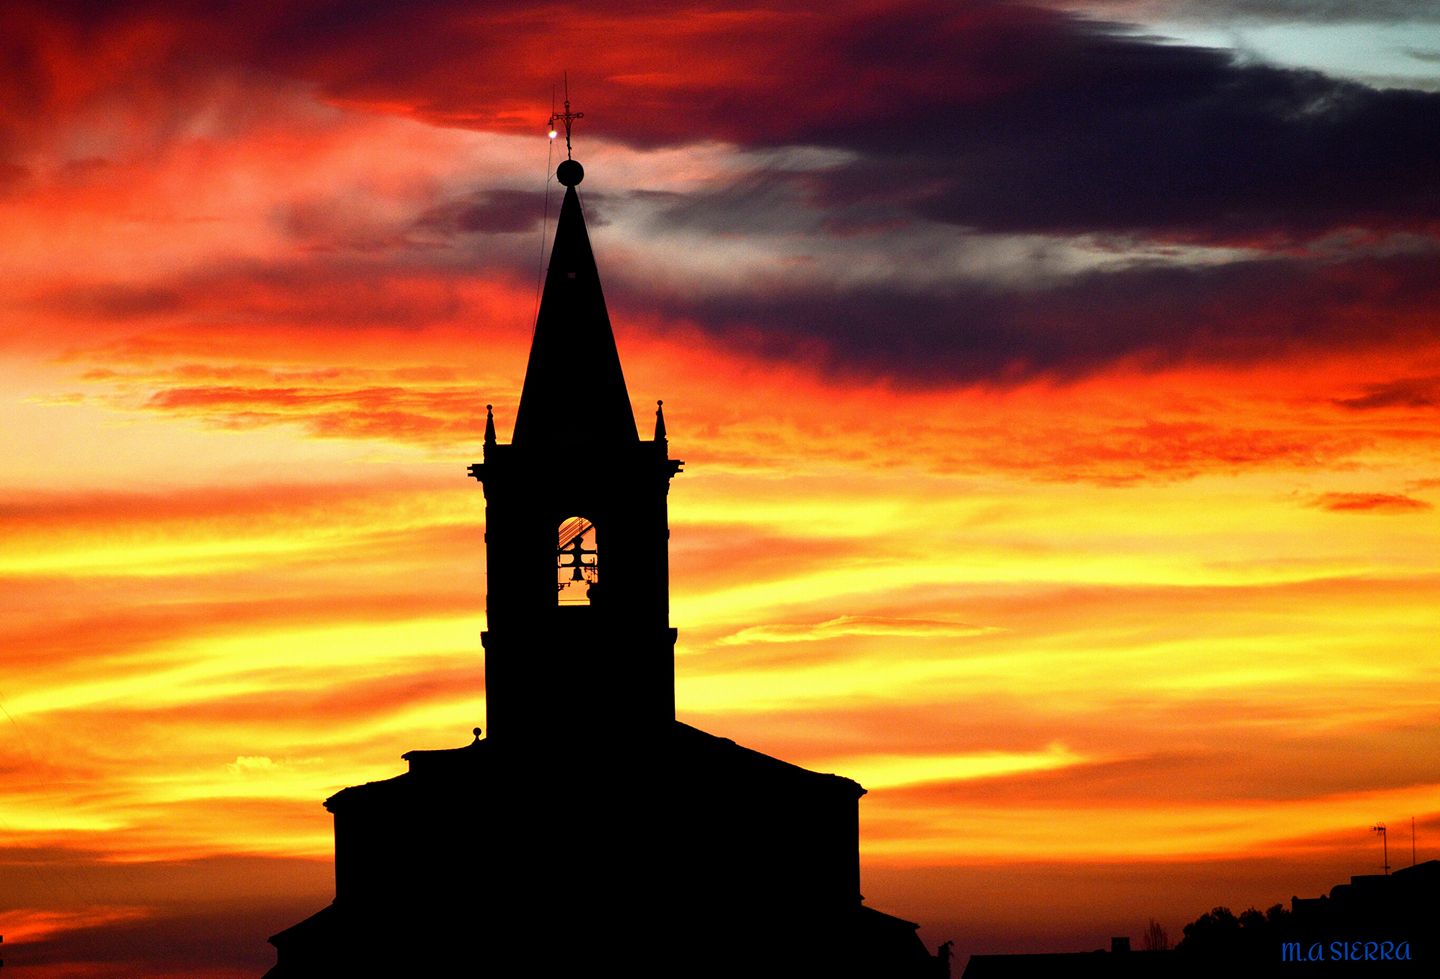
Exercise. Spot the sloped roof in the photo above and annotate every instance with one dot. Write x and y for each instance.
(685, 752)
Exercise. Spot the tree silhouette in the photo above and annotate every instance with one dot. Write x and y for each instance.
(1155, 938)
(1219, 933)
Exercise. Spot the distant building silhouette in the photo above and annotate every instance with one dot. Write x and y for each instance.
(1120, 962)
(1375, 926)
(589, 830)
(1378, 924)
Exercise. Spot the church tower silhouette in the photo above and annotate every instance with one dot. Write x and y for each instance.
(576, 471)
(589, 830)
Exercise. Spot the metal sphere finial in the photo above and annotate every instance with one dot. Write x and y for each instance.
(570, 173)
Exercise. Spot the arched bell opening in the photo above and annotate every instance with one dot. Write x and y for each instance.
(577, 561)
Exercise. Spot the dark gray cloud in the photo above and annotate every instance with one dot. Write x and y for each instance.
(1077, 127)
(1403, 392)
(1240, 312)
(1250, 155)
(500, 211)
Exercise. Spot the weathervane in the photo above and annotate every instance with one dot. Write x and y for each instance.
(567, 117)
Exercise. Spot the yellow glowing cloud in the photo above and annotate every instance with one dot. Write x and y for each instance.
(884, 771)
(225, 666)
(1079, 832)
(853, 625)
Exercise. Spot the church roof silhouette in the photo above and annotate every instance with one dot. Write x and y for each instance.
(589, 828)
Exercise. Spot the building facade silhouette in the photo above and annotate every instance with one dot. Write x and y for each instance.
(589, 829)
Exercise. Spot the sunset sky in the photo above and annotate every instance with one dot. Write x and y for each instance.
(1059, 389)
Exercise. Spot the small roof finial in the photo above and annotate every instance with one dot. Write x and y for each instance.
(567, 117)
(489, 424)
(659, 421)
(476, 732)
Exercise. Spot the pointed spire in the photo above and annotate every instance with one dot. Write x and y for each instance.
(659, 421)
(489, 424)
(574, 389)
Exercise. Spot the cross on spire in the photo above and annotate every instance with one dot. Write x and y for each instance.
(567, 117)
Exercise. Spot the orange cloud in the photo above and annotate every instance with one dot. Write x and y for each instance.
(1369, 503)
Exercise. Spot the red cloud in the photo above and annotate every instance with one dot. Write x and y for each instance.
(1404, 392)
(406, 414)
(1369, 503)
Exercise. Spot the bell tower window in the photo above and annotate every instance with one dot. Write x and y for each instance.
(577, 561)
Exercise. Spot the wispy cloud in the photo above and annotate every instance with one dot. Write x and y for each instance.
(1370, 503)
(853, 625)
